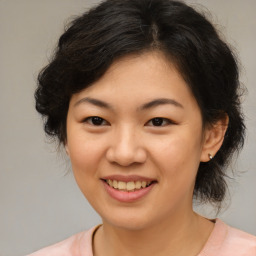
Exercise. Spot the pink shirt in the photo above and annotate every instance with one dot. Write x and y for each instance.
(223, 241)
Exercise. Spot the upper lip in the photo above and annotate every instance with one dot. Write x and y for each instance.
(127, 178)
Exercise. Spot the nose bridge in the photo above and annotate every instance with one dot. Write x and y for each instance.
(126, 139)
(126, 146)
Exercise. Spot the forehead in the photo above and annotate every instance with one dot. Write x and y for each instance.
(149, 66)
(137, 79)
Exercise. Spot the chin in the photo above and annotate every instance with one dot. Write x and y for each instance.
(128, 219)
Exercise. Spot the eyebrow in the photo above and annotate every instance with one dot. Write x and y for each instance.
(96, 102)
(148, 105)
(161, 101)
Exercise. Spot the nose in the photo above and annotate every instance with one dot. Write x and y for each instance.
(126, 148)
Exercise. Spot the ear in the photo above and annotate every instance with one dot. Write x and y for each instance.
(213, 138)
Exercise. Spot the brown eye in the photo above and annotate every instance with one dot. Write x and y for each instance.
(96, 120)
(159, 121)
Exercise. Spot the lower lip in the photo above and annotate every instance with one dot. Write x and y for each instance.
(127, 197)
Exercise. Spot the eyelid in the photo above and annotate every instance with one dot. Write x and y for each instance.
(166, 121)
(89, 121)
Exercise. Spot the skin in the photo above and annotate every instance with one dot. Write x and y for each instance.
(128, 142)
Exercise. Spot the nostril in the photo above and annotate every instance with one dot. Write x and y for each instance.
(126, 156)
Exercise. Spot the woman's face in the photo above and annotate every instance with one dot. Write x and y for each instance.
(139, 125)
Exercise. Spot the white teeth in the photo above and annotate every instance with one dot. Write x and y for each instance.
(129, 186)
(138, 185)
(115, 184)
(121, 185)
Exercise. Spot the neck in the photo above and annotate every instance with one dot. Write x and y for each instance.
(180, 235)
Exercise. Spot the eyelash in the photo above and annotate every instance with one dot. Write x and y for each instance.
(98, 121)
(95, 119)
(161, 121)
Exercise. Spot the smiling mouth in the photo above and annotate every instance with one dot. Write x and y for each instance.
(130, 186)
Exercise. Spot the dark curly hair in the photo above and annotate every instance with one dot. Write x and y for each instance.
(117, 28)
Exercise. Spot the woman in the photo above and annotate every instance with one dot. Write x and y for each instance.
(144, 96)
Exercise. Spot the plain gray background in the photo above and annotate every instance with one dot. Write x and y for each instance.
(40, 203)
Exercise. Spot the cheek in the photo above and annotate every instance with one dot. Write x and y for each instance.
(84, 159)
(178, 158)
(85, 156)
(177, 148)
(82, 149)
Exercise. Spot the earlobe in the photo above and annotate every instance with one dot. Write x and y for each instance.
(213, 139)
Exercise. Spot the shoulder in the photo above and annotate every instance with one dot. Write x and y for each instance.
(240, 241)
(77, 245)
(229, 241)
